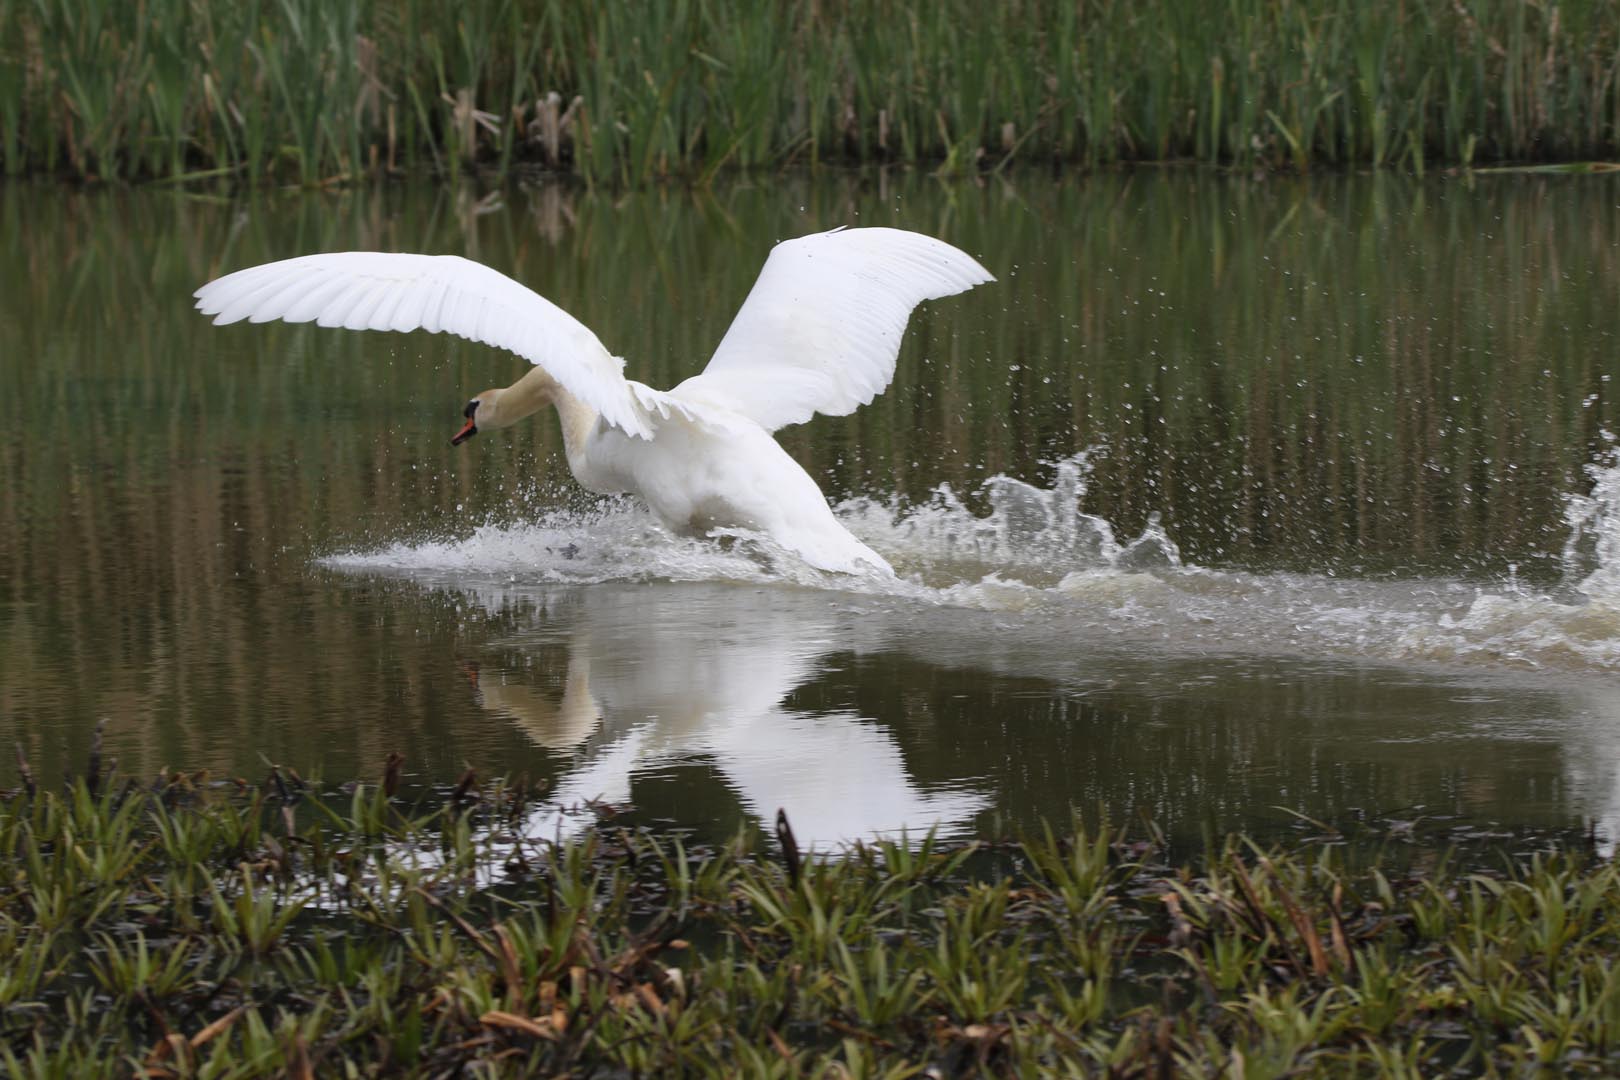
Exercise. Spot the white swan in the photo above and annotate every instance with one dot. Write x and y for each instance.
(819, 332)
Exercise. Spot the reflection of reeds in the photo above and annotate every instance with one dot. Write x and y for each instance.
(622, 91)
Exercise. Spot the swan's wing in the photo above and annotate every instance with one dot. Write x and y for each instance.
(821, 329)
(722, 417)
(375, 290)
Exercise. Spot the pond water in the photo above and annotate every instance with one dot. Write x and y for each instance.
(1233, 500)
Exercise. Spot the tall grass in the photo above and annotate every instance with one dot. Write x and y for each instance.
(312, 90)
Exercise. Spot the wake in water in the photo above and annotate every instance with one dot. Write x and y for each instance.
(1037, 555)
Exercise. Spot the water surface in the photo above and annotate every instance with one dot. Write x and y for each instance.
(1230, 500)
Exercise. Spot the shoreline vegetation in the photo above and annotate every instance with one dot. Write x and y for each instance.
(193, 928)
(313, 92)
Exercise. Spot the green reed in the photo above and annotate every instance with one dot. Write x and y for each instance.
(306, 91)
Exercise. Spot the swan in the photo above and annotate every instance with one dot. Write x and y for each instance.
(818, 333)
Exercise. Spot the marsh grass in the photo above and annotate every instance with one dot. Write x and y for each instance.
(622, 92)
(188, 928)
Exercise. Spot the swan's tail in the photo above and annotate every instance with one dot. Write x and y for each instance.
(838, 553)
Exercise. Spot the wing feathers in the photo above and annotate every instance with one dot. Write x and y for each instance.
(821, 329)
(369, 290)
(281, 299)
(433, 312)
(819, 332)
(342, 303)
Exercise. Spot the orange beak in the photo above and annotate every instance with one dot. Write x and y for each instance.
(468, 430)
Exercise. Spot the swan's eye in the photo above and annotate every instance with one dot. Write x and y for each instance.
(472, 407)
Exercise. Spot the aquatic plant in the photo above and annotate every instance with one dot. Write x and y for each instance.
(623, 92)
(193, 927)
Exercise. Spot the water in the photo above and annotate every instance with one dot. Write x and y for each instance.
(1231, 501)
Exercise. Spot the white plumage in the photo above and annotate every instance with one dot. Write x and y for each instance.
(819, 332)
(376, 290)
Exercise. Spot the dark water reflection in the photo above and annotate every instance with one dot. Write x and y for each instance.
(1343, 379)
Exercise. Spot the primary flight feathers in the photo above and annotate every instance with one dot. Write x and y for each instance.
(819, 332)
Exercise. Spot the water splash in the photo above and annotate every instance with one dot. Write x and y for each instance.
(616, 540)
(1036, 534)
(1579, 627)
(1592, 552)
(1037, 556)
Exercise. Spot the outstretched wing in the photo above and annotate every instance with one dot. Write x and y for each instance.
(820, 331)
(375, 290)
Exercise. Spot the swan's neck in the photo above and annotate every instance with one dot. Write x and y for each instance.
(533, 392)
(556, 727)
(578, 420)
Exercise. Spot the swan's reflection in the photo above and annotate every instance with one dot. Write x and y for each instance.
(657, 676)
(636, 680)
(1592, 762)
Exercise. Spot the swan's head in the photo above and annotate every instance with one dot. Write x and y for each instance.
(470, 428)
(505, 406)
(483, 411)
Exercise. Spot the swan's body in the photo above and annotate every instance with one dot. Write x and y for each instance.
(819, 332)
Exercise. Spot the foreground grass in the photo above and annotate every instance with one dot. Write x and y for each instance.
(182, 929)
(317, 90)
